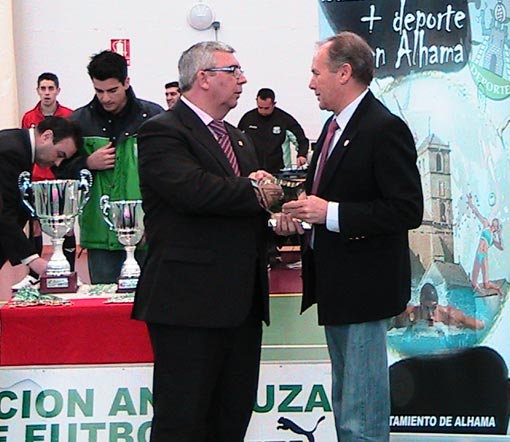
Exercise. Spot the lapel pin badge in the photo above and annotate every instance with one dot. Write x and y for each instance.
(346, 143)
(240, 143)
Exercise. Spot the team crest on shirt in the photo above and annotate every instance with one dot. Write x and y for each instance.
(277, 130)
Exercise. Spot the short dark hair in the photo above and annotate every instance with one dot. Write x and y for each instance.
(62, 128)
(173, 84)
(47, 76)
(108, 64)
(266, 93)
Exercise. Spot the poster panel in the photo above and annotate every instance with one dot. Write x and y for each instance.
(444, 68)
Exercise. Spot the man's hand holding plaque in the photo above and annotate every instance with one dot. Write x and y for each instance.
(271, 195)
(274, 192)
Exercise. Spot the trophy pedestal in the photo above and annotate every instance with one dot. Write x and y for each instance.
(126, 219)
(67, 283)
(126, 284)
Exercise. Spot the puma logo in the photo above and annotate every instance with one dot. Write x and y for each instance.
(287, 424)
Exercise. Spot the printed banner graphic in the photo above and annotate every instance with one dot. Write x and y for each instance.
(114, 404)
(444, 68)
(407, 35)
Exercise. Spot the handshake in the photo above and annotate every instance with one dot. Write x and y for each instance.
(274, 192)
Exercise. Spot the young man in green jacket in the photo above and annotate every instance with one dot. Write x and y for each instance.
(110, 123)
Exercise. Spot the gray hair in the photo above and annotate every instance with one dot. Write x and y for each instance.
(198, 57)
(348, 47)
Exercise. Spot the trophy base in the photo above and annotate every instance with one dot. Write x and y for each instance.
(126, 284)
(59, 283)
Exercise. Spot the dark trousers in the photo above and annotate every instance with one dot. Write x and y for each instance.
(205, 381)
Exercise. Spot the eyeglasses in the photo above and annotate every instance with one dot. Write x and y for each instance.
(234, 69)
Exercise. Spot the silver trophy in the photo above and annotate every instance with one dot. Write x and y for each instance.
(126, 219)
(277, 191)
(56, 203)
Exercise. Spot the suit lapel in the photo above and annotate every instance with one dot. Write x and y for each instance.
(201, 133)
(315, 157)
(344, 144)
(241, 150)
(337, 156)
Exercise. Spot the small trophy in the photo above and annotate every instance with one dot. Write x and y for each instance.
(56, 203)
(126, 219)
(277, 191)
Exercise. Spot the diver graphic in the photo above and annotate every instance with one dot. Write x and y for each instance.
(490, 236)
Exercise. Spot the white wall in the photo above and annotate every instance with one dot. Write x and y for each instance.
(8, 89)
(274, 41)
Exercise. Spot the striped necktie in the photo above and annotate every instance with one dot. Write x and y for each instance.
(218, 127)
(333, 126)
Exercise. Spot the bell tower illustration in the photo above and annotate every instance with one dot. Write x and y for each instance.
(433, 240)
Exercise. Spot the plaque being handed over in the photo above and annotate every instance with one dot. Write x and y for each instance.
(275, 192)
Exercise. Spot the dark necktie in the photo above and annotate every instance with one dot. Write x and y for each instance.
(218, 127)
(333, 126)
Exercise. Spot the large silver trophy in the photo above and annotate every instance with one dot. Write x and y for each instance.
(56, 203)
(126, 219)
(277, 191)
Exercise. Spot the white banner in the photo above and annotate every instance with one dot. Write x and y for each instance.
(114, 404)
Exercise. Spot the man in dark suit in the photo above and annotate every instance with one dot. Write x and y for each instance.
(203, 290)
(53, 140)
(363, 197)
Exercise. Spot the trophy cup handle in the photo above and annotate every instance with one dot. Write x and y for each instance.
(105, 205)
(25, 185)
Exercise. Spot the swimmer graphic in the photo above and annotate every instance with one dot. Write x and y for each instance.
(490, 236)
(429, 311)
